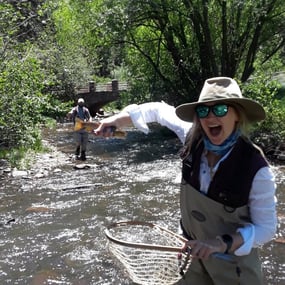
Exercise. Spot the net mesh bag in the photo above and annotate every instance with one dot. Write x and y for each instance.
(150, 254)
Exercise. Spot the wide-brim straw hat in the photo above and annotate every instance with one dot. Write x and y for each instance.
(222, 90)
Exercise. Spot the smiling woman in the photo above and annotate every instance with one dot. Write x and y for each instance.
(225, 178)
(224, 154)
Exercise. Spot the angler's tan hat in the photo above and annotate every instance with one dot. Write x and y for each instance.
(223, 90)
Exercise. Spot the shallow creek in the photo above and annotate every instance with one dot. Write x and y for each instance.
(53, 217)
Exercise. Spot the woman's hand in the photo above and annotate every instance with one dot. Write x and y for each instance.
(107, 125)
(203, 249)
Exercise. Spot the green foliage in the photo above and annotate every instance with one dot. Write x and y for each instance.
(54, 108)
(23, 105)
(170, 47)
(82, 36)
(20, 84)
(263, 89)
(34, 75)
(173, 46)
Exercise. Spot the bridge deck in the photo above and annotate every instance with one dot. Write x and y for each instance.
(98, 95)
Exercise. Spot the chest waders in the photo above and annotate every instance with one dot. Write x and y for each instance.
(204, 218)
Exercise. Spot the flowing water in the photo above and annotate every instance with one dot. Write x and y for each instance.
(53, 219)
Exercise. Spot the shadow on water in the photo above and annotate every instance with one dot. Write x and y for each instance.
(52, 229)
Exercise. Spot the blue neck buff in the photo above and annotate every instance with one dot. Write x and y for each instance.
(225, 146)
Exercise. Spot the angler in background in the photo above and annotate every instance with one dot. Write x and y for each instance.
(80, 136)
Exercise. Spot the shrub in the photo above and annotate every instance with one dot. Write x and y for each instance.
(270, 132)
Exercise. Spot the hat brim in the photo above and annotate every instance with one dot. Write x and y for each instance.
(253, 110)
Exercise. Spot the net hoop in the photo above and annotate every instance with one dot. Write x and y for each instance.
(144, 245)
(151, 254)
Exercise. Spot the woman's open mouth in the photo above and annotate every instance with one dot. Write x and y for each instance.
(215, 130)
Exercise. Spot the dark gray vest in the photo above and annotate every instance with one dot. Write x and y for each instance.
(231, 183)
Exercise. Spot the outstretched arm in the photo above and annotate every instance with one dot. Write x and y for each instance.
(140, 115)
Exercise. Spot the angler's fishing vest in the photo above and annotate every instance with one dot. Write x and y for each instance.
(222, 210)
(83, 116)
(231, 183)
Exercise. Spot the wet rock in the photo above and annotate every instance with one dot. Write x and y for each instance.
(7, 170)
(280, 152)
(4, 167)
(39, 209)
(4, 163)
(8, 222)
(81, 166)
(19, 173)
(41, 174)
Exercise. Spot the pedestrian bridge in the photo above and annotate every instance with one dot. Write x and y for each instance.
(98, 95)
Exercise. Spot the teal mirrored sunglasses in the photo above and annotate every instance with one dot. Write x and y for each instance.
(219, 110)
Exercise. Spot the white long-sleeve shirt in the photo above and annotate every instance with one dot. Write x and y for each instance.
(262, 200)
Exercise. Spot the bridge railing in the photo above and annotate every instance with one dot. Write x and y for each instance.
(114, 86)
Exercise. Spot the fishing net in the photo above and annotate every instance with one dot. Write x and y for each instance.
(151, 254)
